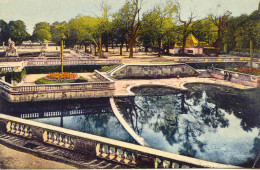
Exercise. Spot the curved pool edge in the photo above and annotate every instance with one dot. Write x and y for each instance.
(121, 119)
(129, 88)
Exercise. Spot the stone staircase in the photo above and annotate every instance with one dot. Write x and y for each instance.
(67, 156)
(114, 69)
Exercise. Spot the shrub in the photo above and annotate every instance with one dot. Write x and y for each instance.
(106, 68)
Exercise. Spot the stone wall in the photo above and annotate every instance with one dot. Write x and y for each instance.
(236, 77)
(145, 71)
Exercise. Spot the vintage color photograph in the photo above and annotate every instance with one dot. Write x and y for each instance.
(129, 84)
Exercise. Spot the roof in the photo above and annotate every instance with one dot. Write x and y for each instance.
(192, 41)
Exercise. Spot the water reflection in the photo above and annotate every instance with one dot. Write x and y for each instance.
(207, 122)
(92, 116)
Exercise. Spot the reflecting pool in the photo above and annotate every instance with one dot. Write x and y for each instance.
(92, 116)
(208, 122)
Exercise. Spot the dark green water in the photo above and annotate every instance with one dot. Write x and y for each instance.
(92, 116)
(208, 122)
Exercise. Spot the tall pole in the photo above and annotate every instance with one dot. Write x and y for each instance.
(61, 48)
(251, 51)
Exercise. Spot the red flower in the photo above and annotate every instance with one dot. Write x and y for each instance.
(62, 76)
(249, 70)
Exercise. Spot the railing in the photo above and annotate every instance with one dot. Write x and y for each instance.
(104, 87)
(117, 151)
(237, 77)
(213, 59)
(74, 62)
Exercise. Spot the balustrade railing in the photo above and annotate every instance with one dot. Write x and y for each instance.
(117, 151)
(73, 62)
(57, 87)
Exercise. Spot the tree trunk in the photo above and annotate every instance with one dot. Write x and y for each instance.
(159, 47)
(121, 49)
(107, 47)
(90, 48)
(95, 49)
(100, 47)
(126, 47)
(131, 46)
(86, 46)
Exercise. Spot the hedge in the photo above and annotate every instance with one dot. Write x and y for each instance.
(75, 69)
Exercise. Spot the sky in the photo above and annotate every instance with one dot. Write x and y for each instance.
(34, 11)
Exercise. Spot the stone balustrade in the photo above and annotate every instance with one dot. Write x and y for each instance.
(102, 88)
(74, 62)
(236, 77)
(117, 151)
(212, 59)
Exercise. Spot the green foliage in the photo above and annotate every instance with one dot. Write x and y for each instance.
(44, 81)
(204, 30)
(106, 68)
(59, 31)
(17, 76)
(4, 34)
(157, 25)
(42, 32)
(17, 31)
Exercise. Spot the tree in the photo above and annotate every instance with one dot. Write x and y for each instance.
(156, 24)
(121, 24)
(42, 32)
(3, 32)
(17, 31)
(204, 30)
(220, 22)
(186, 25)
(134, 26)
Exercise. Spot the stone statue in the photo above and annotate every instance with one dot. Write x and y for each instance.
(11, 44)
(11, 49)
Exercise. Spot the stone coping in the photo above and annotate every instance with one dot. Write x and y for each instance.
(146, 150)
(182, 86)
(121, 119)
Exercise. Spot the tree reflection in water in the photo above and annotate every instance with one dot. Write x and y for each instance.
(184, 118)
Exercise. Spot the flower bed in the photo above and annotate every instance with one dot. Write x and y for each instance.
(248, 70)
(62, 76)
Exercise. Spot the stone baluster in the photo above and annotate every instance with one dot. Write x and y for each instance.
(105, 151)
(119, 153)
(112, 153)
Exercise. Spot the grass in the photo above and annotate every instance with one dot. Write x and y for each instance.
(44, 81)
